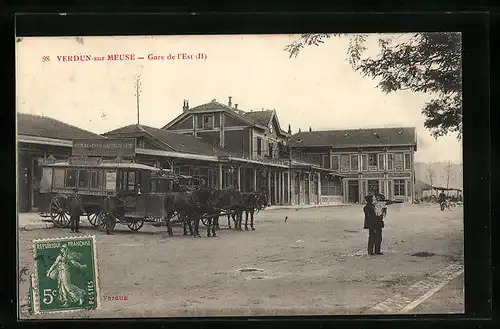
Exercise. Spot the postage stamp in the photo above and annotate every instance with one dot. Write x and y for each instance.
(66, 276)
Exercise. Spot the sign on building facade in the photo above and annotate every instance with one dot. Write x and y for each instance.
(123, 147)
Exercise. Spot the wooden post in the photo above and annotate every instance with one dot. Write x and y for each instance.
(238, 178)
(412, 168)
(255, 179)
(269, 184)
(289, 182)
(276, 188)
(319, 188)
(219, 182)
(282, 187)
(310, 190)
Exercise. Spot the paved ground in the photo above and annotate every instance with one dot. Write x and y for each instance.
(314, 263)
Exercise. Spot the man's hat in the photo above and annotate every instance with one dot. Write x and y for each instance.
(369, 198)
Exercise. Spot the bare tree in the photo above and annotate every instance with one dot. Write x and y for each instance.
(431, 175)
(138, 90)
(448, 172)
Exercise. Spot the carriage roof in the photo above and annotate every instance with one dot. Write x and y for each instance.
(121, 165)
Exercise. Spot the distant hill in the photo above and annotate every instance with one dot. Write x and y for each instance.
(456, 180)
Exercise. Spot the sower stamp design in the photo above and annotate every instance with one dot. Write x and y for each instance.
(66, 276)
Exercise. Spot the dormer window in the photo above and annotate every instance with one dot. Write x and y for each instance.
(208, 121)
(400, 132)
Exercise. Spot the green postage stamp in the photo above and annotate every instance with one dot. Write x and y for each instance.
(66, 276)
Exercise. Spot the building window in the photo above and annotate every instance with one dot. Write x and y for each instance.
(364, 162)
(58, 179)
(83, 179)
(199, 121)
(259, 146)
(354, 162)
(390, 162)
(335, 162)
(372, 160)
(217, 120)
(399, 187)
(373, 187)
(381, 162)
(344, 162)
(324, 161)
(407, 161)
(71, 178)
(208, 122)
(141, 143)
(270, 149)
(398, 161)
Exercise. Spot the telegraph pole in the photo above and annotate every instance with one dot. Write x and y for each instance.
(138, 90)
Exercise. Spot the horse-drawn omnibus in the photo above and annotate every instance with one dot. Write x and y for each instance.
(133, 189)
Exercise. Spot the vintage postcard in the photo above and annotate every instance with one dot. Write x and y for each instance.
(239, 175)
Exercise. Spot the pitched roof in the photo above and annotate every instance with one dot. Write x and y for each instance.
(355, 137)
(41, 126)
(422, 186)
(261, 117)
(172, 141)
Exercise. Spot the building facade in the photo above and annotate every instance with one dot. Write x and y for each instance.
(369, 161)
(255, 137)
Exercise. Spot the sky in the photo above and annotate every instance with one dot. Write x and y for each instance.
(317, 89)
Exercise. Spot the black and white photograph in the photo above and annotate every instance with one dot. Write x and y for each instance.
(240, 175)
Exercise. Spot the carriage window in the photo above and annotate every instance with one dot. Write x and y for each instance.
(58, 179)
(96, 178)
(71, 178)
(127, 181)
(83, 178)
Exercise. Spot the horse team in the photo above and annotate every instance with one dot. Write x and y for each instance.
(191, 206)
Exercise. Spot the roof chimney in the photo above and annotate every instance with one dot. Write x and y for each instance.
(185, 107)
(289, 129)
(299, 130)
(236, 106)
(310, 129)
(229, 103)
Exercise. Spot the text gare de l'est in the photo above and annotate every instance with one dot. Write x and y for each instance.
(131, 57)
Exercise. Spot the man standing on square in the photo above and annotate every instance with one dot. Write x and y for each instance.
(76, 209)
(374, 224)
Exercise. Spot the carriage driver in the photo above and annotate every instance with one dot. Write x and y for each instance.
(76, 209)
(109, 220)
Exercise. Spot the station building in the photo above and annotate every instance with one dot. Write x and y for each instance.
(38, 138)
(378, 160)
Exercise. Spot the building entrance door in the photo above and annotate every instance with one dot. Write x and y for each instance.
(353, 191)
(24, 180)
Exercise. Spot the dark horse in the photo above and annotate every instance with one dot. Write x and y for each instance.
(228, 200)
(189, 206)
(253, 201)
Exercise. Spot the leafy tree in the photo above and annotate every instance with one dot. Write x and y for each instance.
(420, 62)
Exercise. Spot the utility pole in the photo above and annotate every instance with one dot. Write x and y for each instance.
(138, 90)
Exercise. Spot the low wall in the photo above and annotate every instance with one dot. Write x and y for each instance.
(332, 199)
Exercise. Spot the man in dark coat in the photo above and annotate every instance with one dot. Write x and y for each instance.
(76, 209)
(442, 197)
(109, 219)
(374, 224)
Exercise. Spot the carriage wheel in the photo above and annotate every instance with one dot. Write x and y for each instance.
(135, 225)
(93, 219)
(102, 221)
(59, 216)
(204, 221)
